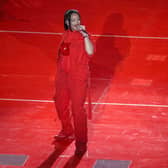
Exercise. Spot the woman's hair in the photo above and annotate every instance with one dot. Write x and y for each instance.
(67, 17)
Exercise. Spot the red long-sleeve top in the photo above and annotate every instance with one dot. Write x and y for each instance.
(72, 57)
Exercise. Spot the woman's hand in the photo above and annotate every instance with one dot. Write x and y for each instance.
(82, 30)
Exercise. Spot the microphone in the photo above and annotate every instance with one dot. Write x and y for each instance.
(81, 28)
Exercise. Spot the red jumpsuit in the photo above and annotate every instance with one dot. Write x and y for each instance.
(71, 85)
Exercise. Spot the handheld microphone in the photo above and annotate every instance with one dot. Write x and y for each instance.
(81, 28)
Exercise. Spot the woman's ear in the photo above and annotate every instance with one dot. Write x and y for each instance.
(67, 23)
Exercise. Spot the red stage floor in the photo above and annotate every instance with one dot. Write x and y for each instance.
(129, 82)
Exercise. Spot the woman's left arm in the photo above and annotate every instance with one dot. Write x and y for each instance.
(88, 45)
(87, 42)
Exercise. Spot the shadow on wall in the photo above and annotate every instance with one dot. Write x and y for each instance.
(110, 51)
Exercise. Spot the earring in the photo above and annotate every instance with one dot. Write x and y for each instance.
(67, 23)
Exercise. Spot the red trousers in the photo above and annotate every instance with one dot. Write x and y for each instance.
(69, 100)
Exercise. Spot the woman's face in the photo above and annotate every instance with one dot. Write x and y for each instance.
(75, 21)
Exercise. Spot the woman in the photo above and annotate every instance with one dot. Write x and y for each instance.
(72, 80)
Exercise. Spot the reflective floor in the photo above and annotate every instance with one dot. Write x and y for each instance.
(129, 82)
